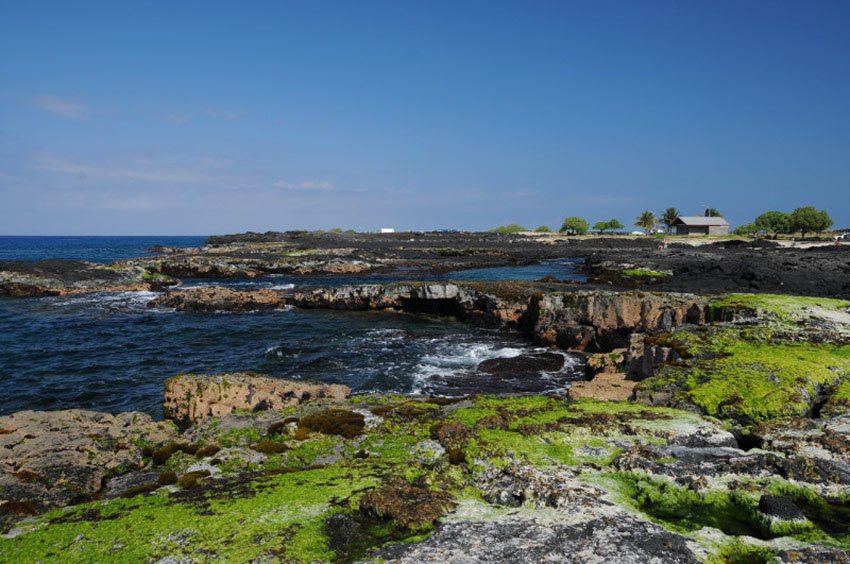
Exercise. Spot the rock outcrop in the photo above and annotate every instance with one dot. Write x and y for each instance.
(602, 321)
(53, 458)
(24, 279)
(578, 320)
(189, 398)
(216, 298)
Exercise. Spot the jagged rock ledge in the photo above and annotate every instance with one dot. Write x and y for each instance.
(591, 320)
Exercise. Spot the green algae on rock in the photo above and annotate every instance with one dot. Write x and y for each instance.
(747, 374)
(557, 464)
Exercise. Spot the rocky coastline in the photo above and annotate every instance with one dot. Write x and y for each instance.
(713, 425)
(617, 262)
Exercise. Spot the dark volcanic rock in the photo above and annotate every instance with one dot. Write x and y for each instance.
(60, 277)
(780, 507)
(526, 364)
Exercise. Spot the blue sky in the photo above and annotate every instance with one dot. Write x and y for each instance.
(211, 117)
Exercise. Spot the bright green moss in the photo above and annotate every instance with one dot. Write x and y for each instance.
(747, 376)
(645, 273)
(738, 551)
(839, 400)
(277, 517)
(681, 509)
(549, 449)
(780, 307)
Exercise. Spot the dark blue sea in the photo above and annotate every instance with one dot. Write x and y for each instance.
(111, 352)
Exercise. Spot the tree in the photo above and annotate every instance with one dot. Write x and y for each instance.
(615, 225)
(508, 229)
(543, 229)
(669, 217)
(746, 230)
(713, 212)
(611, 224)
(646, 220)
(574, 226)
(809, 220)
(773, 222)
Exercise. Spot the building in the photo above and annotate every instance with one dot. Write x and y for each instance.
(699, 225)
(387, 230)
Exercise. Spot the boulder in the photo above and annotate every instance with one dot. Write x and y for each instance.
(53, 458)
(523, 365)
(191, 397)
(607, 386)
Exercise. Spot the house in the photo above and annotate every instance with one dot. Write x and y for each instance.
(699, 225)
(387, 230)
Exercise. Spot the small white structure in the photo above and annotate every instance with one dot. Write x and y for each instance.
(387, 230)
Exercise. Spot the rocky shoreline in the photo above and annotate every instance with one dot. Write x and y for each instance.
(712, 427)
(620, 263)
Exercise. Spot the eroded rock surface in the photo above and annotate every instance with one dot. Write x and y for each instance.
(191, 397)
(53, 458)
(216, 298)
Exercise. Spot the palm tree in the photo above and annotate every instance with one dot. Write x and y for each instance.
(669, 217)
(712, 212)
(646, 220)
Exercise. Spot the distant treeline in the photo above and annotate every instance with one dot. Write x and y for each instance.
(803, 220)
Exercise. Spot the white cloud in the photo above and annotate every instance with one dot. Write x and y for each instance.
(304, 185)
(62, 108)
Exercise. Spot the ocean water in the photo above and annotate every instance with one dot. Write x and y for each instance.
(93, 249)
(111, 352)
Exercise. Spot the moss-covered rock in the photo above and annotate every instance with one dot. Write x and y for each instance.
(748, 374)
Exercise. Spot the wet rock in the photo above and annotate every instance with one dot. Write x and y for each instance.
(61, 277)
(190, 397)
(53, 458)
(523, 365)
(216, 298)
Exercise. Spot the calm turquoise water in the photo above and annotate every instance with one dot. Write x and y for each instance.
(110, 352)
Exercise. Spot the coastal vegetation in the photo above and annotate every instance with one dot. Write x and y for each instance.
(508, 229)
(610, 225)
(646, 221)
(575, 226)
(668, 218)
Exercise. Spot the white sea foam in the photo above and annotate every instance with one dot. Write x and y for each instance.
(455, 359)
(113, 301)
